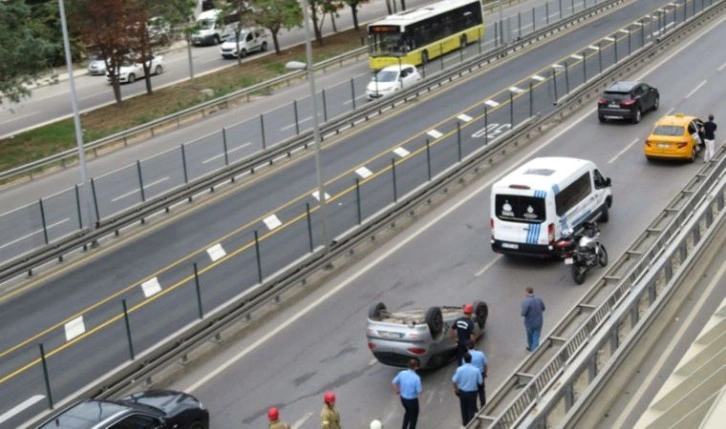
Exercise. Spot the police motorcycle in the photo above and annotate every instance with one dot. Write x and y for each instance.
(582, 250)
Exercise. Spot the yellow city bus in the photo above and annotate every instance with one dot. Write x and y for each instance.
(419, 35)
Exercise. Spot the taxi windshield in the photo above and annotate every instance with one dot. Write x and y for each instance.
(668, 130)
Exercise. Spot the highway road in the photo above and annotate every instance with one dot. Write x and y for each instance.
(129, 262)
(204, 152)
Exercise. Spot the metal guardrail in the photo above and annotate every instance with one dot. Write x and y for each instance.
(285, 150)
(526, 386)
(69, 157)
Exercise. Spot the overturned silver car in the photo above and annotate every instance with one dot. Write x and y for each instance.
(422, 334)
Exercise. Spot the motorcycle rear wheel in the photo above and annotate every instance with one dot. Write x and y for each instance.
(602, 257)
(579, 273)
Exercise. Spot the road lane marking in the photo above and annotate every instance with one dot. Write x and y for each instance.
(357, 98)
(75, 328)
(30, 234)
(700, 85)
(272, 221)
(625, 149)
(300, 121)
(20, 407)
(364, 172)
(538, 78)
(136, 191)
(316, 195)
(434, 133)
(516, 90)
(655, 369)
(151, 287)
(216, 252)
(464, 117)
(228, 152)
(575, 56)
(722, 67)
(491, 103)
(487, 266)
(17, 118)
(301, 421)
(624, 30)
(594, 48)
(609, 39)
(402, 152)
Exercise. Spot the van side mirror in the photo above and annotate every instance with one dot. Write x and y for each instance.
(607, 181)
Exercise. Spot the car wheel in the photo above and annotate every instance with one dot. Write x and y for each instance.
(435, 321)
(197, 425)
(481, 312)
(604, 214)
(159, 69)
(656, 104)
(694, 152)
(375, 312)
(637, 115)
(132, 78)
(217, 40)
(424, 57)
(579, 274)
(243, 53)
(264, 46)
(602, 118)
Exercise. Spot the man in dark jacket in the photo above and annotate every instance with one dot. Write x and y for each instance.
(532, 309)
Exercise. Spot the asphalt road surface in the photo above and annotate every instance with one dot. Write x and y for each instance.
(461, 244)
(121, 188)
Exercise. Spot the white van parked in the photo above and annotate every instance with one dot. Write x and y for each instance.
(213, 27)
(531, 206)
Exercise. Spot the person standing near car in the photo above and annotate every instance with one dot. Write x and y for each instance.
(466, 381)
(407, 384)
(463, 331)
(532, 310)
(479, 360)
(329, 416)
(709, 138)
(273, 414)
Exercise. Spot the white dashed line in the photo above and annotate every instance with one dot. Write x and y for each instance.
(594, 48)
(401, 152)
(491, 103)
(75, 328)
(30, 234)
(228, 152)
(609, 39)
(464, 117)
(151, 287)
(516, 90)
(487, 266)
(316, 195)
(136, 191)
(537, 77)
(364, 172)
(216, 252)
(272, 221)
(575, 56)
(434, 133)
(625, 149)
(696, 89)
(9, 414)
(722, 67)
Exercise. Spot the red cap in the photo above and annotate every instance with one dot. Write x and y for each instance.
(273, 414)
(468, 309)
(329, 397)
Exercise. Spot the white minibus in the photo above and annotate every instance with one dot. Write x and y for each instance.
(213, 27)
(531, 206)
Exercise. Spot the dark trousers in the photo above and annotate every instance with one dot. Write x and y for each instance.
(482, 393)
(410, 417)
(461, 350)
(467, 400)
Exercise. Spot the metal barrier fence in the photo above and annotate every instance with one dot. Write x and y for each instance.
(513, 403)
(30, 233)
(256, 264)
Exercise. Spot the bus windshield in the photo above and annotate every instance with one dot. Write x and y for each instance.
(386, 40)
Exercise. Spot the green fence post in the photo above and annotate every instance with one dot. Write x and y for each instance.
(199, 291)
(45, 376)
(310, 227)
(128, 330)
(259, 257)
(357, 198)
(395, 190)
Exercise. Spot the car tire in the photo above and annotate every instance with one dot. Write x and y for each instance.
(602, 118)
(197, 425)
(637, 115)
(375, 312)
(217, 40)
(159, 69)
(604, 214)
(435, 321)
(263, 48)
(131, 78)
(481, 313)
(656, 104)
(243, 53)
(694, 153)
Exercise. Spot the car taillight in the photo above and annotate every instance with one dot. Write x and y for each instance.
(563, 243)
(681, 145)
(602, 102)
(551, 232)
(371, 346)
(627, 103)
(416, 350)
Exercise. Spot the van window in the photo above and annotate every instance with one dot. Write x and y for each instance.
(573, 194)
(520, 208)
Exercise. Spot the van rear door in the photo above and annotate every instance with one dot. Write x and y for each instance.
(520, 218)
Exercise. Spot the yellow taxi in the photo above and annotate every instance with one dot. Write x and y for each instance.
(674, 137)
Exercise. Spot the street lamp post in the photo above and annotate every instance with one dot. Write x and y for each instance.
(86, 196)
(316, 128)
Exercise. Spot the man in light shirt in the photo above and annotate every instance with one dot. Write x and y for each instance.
(466, 381)
(479, 360)
(407, 384)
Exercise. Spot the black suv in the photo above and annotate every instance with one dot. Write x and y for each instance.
(627, 100)
(153, 409)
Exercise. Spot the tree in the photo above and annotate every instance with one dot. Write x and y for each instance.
(354, 5)
(318, 10)
(24, 54)
(331, 7)
(107, 26)
(275, 15)
(243, 14)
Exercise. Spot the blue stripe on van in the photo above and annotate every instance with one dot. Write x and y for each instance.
(555, 189)
(584, 216)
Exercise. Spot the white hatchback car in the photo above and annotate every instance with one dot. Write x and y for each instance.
(132, 70)
(391, 79)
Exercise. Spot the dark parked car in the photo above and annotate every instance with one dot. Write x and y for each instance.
(153, 409)
(627, 100)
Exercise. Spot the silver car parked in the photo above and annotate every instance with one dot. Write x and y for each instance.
(422, 334)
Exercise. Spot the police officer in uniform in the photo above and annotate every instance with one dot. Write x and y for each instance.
(466, 381)
(463, 330)
(479, 360)
(329, 416)
(273, 414)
